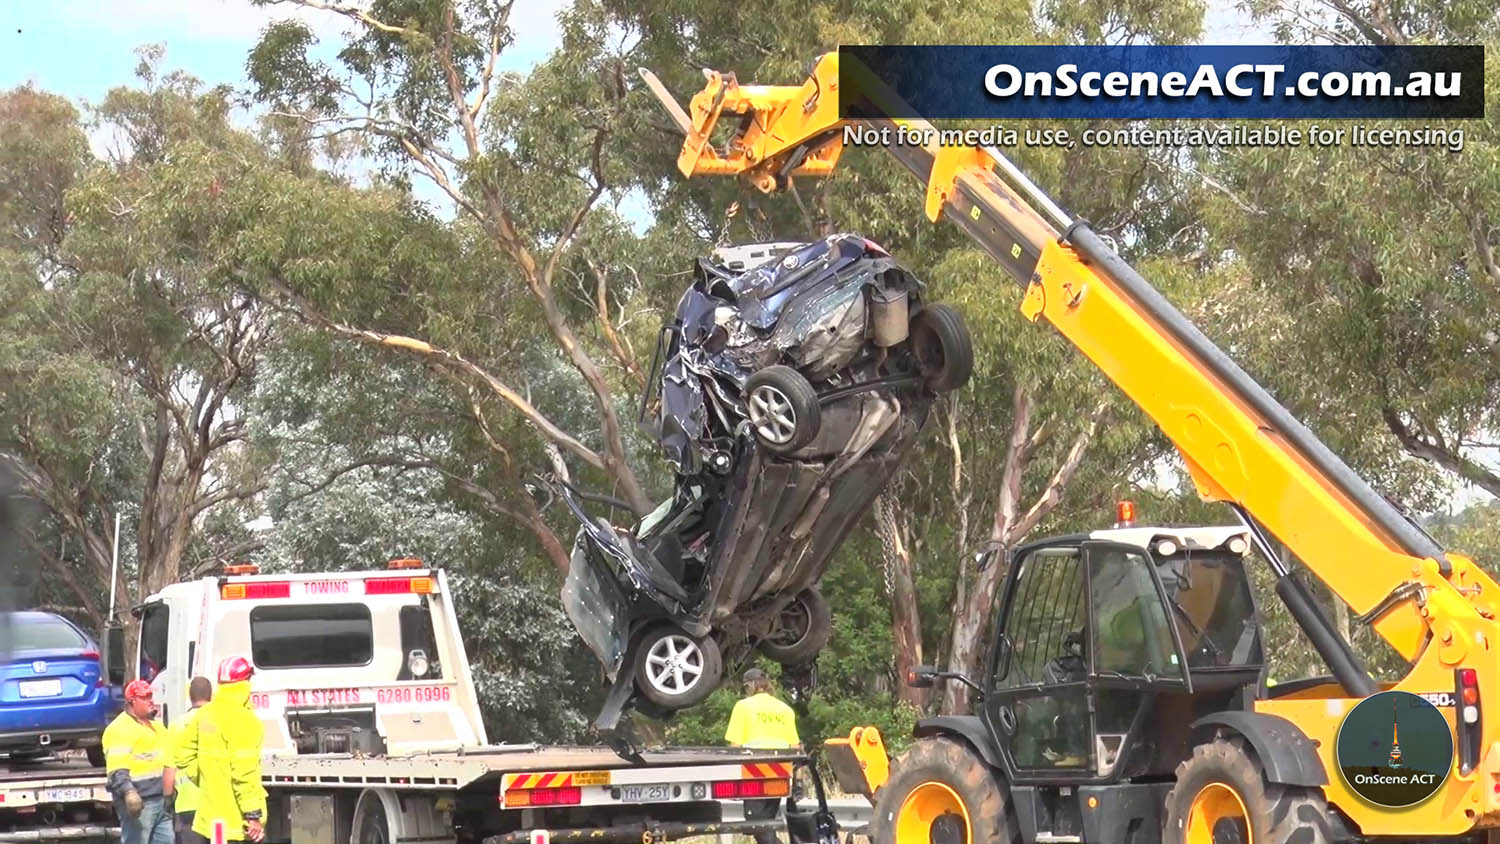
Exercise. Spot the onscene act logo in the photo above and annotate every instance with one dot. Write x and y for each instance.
(1394, 749)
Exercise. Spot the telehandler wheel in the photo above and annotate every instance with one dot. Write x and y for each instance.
(941, 792)
(1221, 797)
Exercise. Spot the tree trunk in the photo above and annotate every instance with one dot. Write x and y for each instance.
(970, 616)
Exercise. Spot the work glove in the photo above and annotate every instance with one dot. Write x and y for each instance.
(133, 803)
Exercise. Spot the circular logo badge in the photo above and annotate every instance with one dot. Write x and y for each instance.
(1394, 749)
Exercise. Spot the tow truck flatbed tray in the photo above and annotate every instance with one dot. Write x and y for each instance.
(595, 758)
(47, 771)
(460, 768)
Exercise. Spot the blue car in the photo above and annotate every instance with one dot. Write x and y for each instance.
(54, 691)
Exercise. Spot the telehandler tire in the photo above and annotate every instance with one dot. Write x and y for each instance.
(1221, 796)
(941, 792)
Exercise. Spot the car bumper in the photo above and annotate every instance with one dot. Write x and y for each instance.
(60, 739)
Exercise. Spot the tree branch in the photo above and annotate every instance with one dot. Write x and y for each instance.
(601, 304)
(428, 352)
(502, 18)
(1052, 493)
(349, 12)
(1417, 445)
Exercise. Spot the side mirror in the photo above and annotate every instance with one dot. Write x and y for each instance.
(921, 677)
(114, 654)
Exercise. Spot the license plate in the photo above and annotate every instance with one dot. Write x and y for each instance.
(65, 795)
(645, 793)
(41, 688)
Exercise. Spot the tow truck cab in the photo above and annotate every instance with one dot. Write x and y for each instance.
(364, 662)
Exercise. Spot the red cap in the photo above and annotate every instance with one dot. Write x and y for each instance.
(138, 690)
(235, 669)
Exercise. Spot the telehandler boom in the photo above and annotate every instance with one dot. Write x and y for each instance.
(1275, 754)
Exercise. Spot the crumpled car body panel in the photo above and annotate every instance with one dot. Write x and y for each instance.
(747, 530)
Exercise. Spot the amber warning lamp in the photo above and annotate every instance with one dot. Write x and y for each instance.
(242, 568)
(404, 563)
(1124, 514)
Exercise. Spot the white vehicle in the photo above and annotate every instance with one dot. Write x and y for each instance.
(373, 732)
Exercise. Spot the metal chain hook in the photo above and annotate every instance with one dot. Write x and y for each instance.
(734, 208)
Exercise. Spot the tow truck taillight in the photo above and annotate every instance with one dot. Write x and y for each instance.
(569, 796)
(1469, 727)
(253, 591)
(749, 789)
(399, 586)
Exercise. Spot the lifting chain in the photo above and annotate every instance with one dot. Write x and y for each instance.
(733, 209)
(885, 521)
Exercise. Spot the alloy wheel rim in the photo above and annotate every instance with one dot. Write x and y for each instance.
(674, 664)
(772, 415)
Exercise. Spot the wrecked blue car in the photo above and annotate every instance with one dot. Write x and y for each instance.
(785, 392)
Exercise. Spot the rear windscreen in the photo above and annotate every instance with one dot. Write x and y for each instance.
(46, 635)
(318, 636)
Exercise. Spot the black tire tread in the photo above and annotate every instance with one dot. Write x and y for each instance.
(954, 763)
(952, 333)
(820, 628)
(1278, 814)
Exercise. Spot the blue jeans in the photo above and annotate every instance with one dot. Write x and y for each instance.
(153, 826)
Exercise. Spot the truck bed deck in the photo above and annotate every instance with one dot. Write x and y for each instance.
(459, 768)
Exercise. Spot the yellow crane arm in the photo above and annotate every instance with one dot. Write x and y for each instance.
(1240, 446)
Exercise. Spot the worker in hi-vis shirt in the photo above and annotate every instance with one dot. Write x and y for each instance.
(762, 721)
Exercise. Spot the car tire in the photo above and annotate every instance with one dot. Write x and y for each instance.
(96, 755)
(783, 409)
(804, 628)
(944, 350)
(675, 670)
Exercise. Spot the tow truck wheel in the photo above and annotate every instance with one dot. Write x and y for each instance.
(372, 826)
(783, 409)
(676, 670)
(1221, 797)
(801, 631)
(943, 348)
(940, 792)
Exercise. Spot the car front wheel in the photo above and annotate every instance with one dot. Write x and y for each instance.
(675, 670)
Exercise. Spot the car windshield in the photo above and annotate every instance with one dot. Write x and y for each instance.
(46, 635)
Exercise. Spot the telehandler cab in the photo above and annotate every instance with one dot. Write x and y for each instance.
(1195, 750)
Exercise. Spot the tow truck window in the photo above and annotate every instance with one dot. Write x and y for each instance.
(318, 636)
(154, 642)
(418, 646)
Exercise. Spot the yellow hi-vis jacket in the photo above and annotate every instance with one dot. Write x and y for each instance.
(185, 759)
(135, 756)
(762, 721)
(228, 775)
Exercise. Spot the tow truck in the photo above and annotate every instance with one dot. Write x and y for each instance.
(373, 731)
(1199, 750)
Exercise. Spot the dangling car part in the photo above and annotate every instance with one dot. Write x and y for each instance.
(786, 395)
